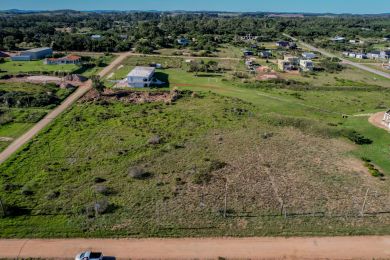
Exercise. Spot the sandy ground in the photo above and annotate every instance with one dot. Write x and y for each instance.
(376, 120)
(81, 90)
(365, 247)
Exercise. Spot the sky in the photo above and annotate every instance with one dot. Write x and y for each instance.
(310, 6)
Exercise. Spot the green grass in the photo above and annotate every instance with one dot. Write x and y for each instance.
(106, 140)
(17, 118)
(325, 105)
(16, 67)
(209, 136)
(378, 151)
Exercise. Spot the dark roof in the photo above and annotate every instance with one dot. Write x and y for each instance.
(3, 54)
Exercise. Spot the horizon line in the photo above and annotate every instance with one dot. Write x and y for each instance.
(189, 11)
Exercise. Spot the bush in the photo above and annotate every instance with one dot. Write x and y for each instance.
(52, 195)
(27, 190)
(99, 180)
(216, 165)
(356, 137)
(154, 140)
(102, 189)
(138, 173)
(99, 207)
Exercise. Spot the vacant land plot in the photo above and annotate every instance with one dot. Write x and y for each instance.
(36, 67)
(205, 165)
(329, 99)
(23, 104)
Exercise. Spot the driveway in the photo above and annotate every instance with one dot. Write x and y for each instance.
(81, 90)
(363, 247)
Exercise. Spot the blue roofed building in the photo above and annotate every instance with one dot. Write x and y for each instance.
(33, 54)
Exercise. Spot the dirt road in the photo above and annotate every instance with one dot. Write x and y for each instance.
(19, 142)
(365, 247)
(376, 120)
(345, 61)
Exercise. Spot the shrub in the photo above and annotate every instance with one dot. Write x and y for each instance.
(99, 207)
(27, 190)
(99, 180)
(138, 173)
(102, 189)
(201, 178)
(154, 140)
(216, 165)
(52, 195)
(356, 137)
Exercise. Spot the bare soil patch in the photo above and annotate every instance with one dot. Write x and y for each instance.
(131, 96)
(376, 120)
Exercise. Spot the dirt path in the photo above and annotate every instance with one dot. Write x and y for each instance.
(368, 247)
(328, 54)
(19, 142)
(376, 120)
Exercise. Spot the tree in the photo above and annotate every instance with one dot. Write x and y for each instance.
(9, 42)
(97, 84)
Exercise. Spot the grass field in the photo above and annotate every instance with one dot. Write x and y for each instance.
(38, 67)
(350, 92)
(22, 105)
(102, 153)
(279, 152)
(16, 67)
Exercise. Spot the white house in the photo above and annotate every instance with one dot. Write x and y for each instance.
(140, 77)
(374, 55)
(338, 39)
(308, 55)
(361, 56)
(306, 65)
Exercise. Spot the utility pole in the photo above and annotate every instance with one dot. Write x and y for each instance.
(364, 203)
(48, 144)
(225, 201)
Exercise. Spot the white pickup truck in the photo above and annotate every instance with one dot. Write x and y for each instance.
(88, 255)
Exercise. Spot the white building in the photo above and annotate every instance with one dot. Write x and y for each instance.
(140, 77)
(306, 65)
(386, 119)
(308, 55)
(361, 56)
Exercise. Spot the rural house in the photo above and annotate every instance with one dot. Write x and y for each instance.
(265, 54)
(140, 77)
(306, 65)
(247, 53)
(183, 41)
(308, 55)
(374, 55)
(33, 54)
(338, 39)
(3, 54)
(283, 44)
(69, 59)
(96, 37)
(385, 54)
(361, 56)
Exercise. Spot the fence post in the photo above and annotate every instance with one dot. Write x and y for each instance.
(364, 203)
(2, 208)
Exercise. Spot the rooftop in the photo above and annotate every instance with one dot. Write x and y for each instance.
(39, 49)
(141, 72)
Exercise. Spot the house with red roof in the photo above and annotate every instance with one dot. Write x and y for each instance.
(69, 59)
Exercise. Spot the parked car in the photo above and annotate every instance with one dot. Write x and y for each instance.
(88, 255)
